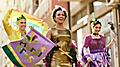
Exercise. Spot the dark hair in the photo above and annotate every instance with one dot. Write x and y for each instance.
(96, 22)
(58, 9)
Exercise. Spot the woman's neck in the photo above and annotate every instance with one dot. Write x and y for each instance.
(59, 26)
(95, 36)
(23, 32)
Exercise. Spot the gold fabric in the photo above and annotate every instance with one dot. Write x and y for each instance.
(62, 38)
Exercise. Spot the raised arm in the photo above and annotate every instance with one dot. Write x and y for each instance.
(12, 34)
(7, 26)
(111, 43)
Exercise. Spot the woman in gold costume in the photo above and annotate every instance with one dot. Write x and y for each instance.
(59, 56)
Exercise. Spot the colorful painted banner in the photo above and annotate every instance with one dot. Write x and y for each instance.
(11, 27)
(30, 50)
(36, 23)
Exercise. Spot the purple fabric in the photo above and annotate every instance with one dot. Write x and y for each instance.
(100, 59)
(34, 46)
(95, 43)
(98, 52)
(73, 46)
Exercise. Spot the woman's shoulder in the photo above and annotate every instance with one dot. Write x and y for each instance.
(88, 35)
(51, 29)
(102, 36)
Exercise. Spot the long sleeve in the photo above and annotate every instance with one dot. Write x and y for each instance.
(86, 41)
(7, 26)
(13, 35)
(86, 50)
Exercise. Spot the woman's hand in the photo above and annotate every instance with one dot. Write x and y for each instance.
(31, 28)
(89, 59)
(113, 40)
(111, 43)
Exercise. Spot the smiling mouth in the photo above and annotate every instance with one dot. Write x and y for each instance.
(61, 19)
(23, 27)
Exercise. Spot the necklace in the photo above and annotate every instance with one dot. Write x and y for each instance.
(95, 34)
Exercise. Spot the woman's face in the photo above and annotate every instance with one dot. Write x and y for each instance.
(22, 24)
(60, 17)
(97, 28)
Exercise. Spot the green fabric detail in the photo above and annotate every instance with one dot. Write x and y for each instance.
(11, 56)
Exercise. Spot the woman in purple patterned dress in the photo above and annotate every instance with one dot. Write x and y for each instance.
(95, 49)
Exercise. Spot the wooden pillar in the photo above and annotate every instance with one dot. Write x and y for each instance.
(90, 10)
(69, 15)
(116, 47)
(118, 31)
